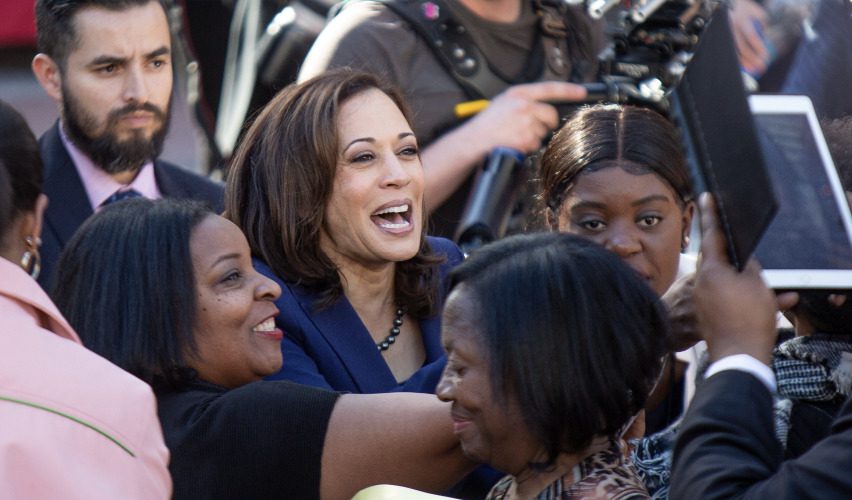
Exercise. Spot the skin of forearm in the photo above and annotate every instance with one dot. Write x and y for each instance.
(447, 162)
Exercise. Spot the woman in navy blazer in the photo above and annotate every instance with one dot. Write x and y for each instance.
(328, 186)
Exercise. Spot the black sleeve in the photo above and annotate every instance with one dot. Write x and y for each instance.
(727, 448)
(262, 440)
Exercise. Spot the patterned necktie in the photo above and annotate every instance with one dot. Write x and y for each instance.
(121, 195)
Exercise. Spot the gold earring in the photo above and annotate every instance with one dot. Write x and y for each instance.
(31, 260)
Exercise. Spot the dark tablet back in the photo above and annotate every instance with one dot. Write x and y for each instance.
(709, 106)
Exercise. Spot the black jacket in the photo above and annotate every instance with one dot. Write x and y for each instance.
(727, 448)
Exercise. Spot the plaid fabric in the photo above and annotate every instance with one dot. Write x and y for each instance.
(813, 368)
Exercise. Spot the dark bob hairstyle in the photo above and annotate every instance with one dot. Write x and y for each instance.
(20, 153)
(567, 329)
(126, 284)
(5, 202)
(637, 139)
(281, 179)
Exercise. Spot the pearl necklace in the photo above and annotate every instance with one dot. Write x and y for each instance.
(394, 331)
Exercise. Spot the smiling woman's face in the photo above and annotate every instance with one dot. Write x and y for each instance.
(637, 216)
(490, 430)
(375, 211)
(235, 330)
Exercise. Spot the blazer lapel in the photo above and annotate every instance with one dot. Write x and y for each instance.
(167, 185)
(344, 331)
(68, 204)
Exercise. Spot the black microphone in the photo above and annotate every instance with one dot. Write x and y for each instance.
(491, 200)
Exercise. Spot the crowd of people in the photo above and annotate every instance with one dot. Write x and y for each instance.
(308, 330)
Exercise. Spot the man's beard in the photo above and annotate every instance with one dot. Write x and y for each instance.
(105, 150)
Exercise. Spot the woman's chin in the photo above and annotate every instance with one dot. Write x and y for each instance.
(399, 250)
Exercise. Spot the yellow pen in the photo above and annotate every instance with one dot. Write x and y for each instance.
(470, 108)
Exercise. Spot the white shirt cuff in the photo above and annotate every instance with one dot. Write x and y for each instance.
(745, 363)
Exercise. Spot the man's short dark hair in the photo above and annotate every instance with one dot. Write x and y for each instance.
(569, 330)
(838, 136)
(56, 35)
(824, 316)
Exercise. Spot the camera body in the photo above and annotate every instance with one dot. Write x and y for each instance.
(649, 45)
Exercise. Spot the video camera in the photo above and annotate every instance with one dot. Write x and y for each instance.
(649, 43)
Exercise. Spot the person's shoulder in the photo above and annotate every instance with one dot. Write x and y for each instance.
(445, 247)
(363, 22)
(65, 377)
(273, 397)
(187, 175)
(68, 403)
(53, 152)
(365, 35)
(442, 245)
(175, 181)
(366, 11)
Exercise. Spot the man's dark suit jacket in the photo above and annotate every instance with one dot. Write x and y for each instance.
(69, 205)
(727, 448)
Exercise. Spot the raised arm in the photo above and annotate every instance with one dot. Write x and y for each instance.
(727, 447)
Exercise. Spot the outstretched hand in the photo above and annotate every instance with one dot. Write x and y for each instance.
(735, 310)
(520, 118)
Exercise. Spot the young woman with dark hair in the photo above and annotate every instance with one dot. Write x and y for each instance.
(206, 347)
(616, 174)
(328, 187)
(554, 345)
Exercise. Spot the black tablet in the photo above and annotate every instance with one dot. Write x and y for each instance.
(710, 108)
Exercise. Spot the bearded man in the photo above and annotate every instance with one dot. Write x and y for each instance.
(108, 66)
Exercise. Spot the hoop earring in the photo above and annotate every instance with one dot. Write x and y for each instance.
(31, 260)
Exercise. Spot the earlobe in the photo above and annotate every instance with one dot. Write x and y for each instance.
(688, 212)
(40, 207)
(47, 72)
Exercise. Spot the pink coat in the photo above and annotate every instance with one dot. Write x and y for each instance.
(72, 425)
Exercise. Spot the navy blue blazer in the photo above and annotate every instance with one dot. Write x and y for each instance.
(69, 205)
(331, 348)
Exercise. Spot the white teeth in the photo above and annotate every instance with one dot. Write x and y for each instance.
(395, 226)
(266, 326)
(393, 210)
